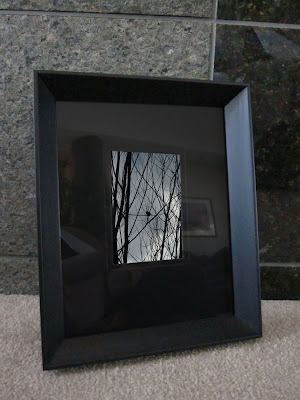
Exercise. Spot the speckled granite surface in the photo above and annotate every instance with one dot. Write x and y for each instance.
(286, 11)
(19, 275)
(199, 8)
(268, 59)
(140, 47)
(279, 283)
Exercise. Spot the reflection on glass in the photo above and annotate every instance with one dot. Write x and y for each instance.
(144, 217)
(198, 217)
(146, 196)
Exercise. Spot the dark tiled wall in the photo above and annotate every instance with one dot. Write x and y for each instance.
(268, 59)
(265, 52)
(254, 44)
(280, 282)
(284, 11)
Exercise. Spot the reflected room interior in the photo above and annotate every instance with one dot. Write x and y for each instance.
(144, 214)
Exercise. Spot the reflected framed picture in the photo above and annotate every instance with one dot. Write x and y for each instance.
(147, 220)
(198, 216)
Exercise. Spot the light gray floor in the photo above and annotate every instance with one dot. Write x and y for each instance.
(262, 369)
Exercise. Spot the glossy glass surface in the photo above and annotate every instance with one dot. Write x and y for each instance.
(181, 269)
(268, 59)
(284, 11)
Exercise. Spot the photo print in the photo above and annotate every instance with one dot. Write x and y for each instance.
(146, 207)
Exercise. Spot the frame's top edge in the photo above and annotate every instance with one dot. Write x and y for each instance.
(138, 77)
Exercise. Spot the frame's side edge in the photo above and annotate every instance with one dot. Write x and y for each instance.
(255, 203)
(38, 205)
(243, 213)
(50, 279)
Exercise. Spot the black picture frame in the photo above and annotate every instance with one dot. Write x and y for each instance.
(245, 322)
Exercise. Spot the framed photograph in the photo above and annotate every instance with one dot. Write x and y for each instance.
(198, 217)
(146, 216)
(146, 207)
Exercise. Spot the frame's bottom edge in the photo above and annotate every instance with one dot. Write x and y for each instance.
(130, 357)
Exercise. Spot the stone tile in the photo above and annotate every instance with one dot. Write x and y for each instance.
(268, 59)
(279, 233)
(19, 275)
(285, 11)
(280, 283)
(202, 8)
(120, 46)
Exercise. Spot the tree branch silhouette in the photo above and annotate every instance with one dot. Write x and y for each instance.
(146, 206)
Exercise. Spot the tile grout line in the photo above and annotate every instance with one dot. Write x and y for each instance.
(17, 256)
(273, 25)
(283, 264)
(105, 15)
(213, 41)
(149, 17)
